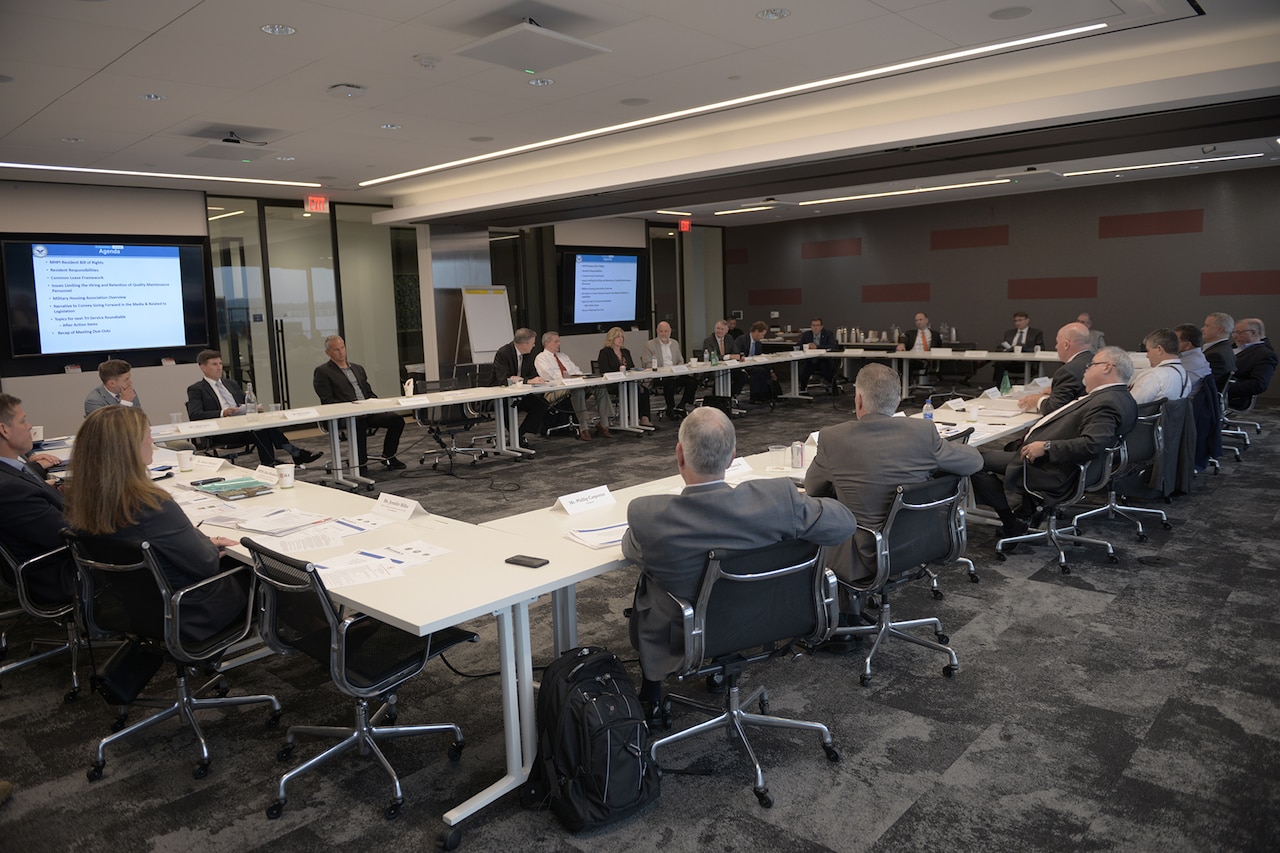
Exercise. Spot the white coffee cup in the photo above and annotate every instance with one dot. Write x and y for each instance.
(185, 462)
(286, 475)
(1017, 348)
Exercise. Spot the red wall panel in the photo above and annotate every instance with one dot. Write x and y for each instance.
(1149, 224)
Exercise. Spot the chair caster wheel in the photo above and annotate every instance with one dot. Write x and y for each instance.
(1167, 525)
(864, 680)
(201, 770)
(1142, 537)
(455, 750)
(974, 579)
(1000, 556)
(273, 721)
(392, 811)
(285, 753)
(939, 594)
(1066, 570)
(95, 772)
(765, 799)
(71, 695)
(450, 838)
(1112, 558)
(943, 638)
(275, 810)
(948, 671)
(119, 723)
(832, 754)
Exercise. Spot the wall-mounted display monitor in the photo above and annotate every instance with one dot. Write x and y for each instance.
(602, 287)
(67, 294)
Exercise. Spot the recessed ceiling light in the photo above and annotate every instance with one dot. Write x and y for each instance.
(286, 157)
(912, 191)
(85, 170)
(306, 215)
(152, 96)
(675, 212)
(278, 30)
(224, 215)
(634, 102)
(342, 91)
(742, 210)
(480, 139)
(773, 14)
(542, 81)
(1159, 165)
(390, 126)
(1009, 13)
(72, 139)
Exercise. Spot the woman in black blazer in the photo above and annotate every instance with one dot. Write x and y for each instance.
(614, 357)
(110, 495)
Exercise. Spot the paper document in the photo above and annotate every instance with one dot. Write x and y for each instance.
(598, 537)
(352, 569)
(282, 522)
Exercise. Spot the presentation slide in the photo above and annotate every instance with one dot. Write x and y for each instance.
(605, 288)
(97, 297)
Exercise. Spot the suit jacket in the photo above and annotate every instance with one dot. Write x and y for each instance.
(709, 343)
(826, 340)
(30, 524)
(507, 363)
(1079, 432)
(187, 556)
(669, 537)
(744, 344)
(1255, 365)
(203, 403)
(609, 362)
(1097, 340)
(1222, 361)
(100, 396)
(908, 339)
(1034, 338)
(862, 462)
(332, 386)
(1067, 384)
(653, 350)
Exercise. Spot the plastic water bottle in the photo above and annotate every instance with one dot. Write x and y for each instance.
(714, 358)
(1004, 385)
(928, 409)
(250, 401)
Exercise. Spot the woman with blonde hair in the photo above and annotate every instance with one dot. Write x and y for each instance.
(110, 495)
(614, 357)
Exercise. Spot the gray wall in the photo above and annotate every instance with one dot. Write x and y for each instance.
(1143, 282)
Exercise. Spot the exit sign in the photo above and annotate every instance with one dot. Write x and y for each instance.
(317, 204)
(686, 225)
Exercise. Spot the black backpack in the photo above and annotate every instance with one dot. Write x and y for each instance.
(593, 764)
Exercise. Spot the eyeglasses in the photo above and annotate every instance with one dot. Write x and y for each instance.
(1092, 363)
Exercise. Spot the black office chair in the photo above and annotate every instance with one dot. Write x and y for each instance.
(925, 527)
(1231, 426)
(752, 606)
(1139, 451)
(1092, 476)
(14, 577)
(367, 659)
(448, 420)
(122, 590)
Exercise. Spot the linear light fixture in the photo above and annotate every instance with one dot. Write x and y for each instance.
(675, 212)
(225, 215)
(746, 99)
(912, 191)
(742, 210)
(1160, 165)
(131, 174)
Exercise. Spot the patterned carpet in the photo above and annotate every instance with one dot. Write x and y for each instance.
(1120, 707)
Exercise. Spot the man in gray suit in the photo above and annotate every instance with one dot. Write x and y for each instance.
(116, 389)
(862, 462)
(669, 536)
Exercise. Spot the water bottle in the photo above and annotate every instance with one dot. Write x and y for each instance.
(1004, 385)
(714, 358)
(928, 409)
(250, 401)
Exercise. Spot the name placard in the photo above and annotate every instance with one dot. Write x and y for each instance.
(197, 426)
(585, 500)
(268, 473)
(415, 402)
(679, 368)
(739, 467)
(394, 506)
(206, 464)
(308, 413)
(574, 380)
(615, 375)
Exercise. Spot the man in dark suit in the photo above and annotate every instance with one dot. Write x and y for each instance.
(30, 508)
(1072, 346)
(342, 381)
(761, 377)
(1217, 331)
(516, 360)
(1022, 335)
(919, 339)
(218, 396)
(1255, 363)
(816, 338)
(1058, 442)
(669, 536)
(862, 462)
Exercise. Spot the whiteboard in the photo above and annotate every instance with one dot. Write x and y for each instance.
(487, 318)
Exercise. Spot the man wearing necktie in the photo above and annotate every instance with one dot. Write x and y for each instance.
(513, 360)
(30, 509)
(554, 367)
(219, 396)
(1022, 335)
(761, 378)
(116, 376)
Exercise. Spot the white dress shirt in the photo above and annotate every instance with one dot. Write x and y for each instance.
(545, 364)
(1167, 380)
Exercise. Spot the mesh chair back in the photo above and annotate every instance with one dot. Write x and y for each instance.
(122, 589)
(1145, 442)
(749, 599)
(926, 524)
(297, 613)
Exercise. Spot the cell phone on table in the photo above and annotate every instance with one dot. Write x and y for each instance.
(207, 481)
(526, 561)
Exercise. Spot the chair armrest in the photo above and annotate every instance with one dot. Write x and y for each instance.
(173, 626)
(44, 611)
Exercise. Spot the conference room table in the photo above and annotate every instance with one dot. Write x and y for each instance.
(903, 359)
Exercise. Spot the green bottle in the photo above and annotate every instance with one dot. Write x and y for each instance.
(1004, 384)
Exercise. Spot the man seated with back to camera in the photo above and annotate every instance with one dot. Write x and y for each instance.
(862, 462)
(341, 381)
(219, 396)
(664, 351)
(816, 337)
(669, 537)
(30, 506)
(1072, 346)
(1054, 446)
(553, 368)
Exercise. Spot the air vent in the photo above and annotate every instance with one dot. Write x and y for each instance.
(528, 47)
